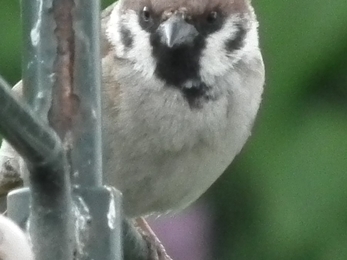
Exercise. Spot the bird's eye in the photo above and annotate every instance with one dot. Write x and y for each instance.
(146, 14)
(212, 17)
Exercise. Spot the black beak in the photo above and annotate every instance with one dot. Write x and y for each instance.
(176, 31)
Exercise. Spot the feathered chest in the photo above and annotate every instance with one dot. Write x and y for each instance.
(162, 118)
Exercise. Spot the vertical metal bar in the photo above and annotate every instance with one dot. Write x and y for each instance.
(87, 152)
(39, 52)
(103, 203)
(50, 224)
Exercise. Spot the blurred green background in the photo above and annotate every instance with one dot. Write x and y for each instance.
(285, 196)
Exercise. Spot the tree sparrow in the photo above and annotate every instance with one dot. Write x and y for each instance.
(182, 84)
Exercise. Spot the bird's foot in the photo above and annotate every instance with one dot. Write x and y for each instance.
(157, 250)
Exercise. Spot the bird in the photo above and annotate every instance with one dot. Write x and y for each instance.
(182, 83)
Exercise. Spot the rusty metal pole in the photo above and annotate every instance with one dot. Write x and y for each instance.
(61, 74)
(50, 224)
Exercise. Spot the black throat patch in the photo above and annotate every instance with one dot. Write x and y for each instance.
(177, 66)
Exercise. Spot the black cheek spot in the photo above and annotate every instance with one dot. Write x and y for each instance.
(237, 41)
(126, 37)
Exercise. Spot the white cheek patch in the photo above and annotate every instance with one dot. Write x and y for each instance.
(140, 51)
(216, 60)
(251, 42)
(252, 39)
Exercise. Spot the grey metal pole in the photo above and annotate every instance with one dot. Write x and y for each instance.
(50, 221)
(87, 158)
(104, 229)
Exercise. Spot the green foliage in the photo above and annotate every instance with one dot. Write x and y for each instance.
(10, 42)
(285, 196)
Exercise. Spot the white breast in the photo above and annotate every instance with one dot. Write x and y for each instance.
(161, 153)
